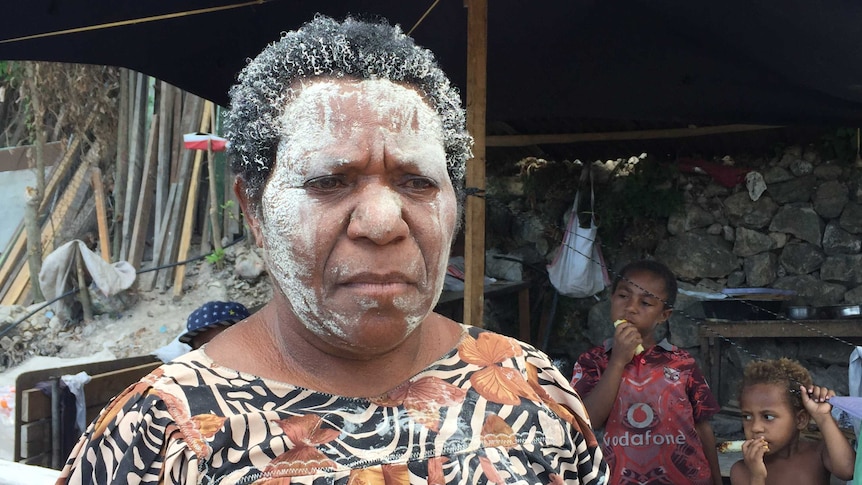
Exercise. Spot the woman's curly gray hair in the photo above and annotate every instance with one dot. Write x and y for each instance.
(353, 49)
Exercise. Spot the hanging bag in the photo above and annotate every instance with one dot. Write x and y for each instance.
(579, 270)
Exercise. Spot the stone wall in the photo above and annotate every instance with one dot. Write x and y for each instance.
(796, 225)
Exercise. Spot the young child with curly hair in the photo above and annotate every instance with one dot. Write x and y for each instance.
(777, 400)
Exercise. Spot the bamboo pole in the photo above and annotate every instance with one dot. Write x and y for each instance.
(122, 162)
(188, 222)
(34, 241)
(145, 202)
(101, 213)
(136, 161)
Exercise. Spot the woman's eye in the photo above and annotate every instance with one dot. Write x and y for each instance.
(768, 417)
(420, 183)
(327, 182)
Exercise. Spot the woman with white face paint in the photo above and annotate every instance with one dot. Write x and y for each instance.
(349, 146)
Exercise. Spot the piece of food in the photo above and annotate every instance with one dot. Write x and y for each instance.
(736, 446)
(640, 348)
(730, 446)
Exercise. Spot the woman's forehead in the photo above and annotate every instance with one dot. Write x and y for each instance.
(326, 98)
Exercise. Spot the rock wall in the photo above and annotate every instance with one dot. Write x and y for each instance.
(795, 223)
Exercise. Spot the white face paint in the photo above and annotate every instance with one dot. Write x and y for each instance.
(359, 212)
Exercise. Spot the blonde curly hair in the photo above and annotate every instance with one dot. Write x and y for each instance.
(783, 372)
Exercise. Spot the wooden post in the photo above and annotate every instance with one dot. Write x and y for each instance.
(34, 242)
(83, 292)
(166, 111)
(214, 219)
(474, 237)
(101, 214)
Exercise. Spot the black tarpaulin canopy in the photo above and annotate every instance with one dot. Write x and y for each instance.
(549, 63)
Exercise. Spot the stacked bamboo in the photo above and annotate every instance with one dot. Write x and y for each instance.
(156, 199)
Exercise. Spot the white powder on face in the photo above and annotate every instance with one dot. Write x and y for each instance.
(322, 133)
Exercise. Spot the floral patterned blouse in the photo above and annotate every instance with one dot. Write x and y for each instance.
(492, 410)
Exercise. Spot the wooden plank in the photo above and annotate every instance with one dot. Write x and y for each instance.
(163, 170)
(103, 387)
(191, 204)
(35, 438)
(35, 405)
(101, 213)
(192, 111)
(474, 236)
(781, 328)
(549, 139)
(146, 194)
(136, 161)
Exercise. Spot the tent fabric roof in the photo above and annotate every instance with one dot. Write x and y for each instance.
(789, 62)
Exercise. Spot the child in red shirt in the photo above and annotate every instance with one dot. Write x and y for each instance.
(654, 404)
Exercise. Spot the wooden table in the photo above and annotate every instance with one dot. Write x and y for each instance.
(453, 302)
(711, 331)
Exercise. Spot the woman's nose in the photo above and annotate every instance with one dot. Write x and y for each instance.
(377, 215)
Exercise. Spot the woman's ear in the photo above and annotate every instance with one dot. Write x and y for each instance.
(249, 213)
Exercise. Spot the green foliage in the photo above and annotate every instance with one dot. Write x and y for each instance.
(216, 257)
(640, 197)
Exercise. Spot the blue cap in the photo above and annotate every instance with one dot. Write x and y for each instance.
(213, 314)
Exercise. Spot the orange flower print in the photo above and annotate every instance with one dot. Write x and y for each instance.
(380, 475)
(305, 433)
(497, 432)
(208, 424)
(423, 399)
(189, 427)
(496, 383)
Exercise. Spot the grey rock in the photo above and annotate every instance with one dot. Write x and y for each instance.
(714, 229)
(780, 239)
(801, 167)
(828, 171)
(736, 279)
(683, 322)
(741, 210)
(728, 233)
(811, 291)
(760, 269)
(801, 258)
(801, 221)
(830, 198)
(750, 242)
(846, 269)
(833, 377)
(838, 241)
(851, 218)
(853, 296)
(693, 255)
(500, 266)
(823, 351)
(692, 217)
(249, 266)
(776, 175)
(796, 190)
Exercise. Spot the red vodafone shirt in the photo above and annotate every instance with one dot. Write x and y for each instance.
(650, 435)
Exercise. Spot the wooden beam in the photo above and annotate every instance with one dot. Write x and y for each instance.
(550, 139)
(474, 249)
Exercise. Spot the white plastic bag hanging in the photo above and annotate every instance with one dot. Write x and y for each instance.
(579, 270)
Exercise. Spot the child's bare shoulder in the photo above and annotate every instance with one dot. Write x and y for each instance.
(805, 464)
